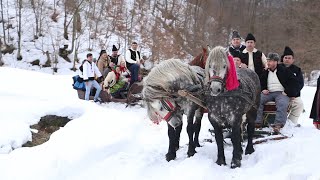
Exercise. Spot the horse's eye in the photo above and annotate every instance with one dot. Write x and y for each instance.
(209, 66)
(161, 108)
(225, 66)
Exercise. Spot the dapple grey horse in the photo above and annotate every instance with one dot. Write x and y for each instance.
(231, 94)
(160, 94)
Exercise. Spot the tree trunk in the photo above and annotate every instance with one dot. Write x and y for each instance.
(19, 56)
(34, 8)
(65, 24)
(3, 28)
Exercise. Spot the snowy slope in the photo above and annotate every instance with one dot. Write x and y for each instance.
(114, 142)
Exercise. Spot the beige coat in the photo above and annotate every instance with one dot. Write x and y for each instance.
(103, 64)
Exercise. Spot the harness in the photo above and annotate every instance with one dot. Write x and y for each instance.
(167, 105)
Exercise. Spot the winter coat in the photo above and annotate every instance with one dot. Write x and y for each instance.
(90, 71)
(315, 110)
(286, 78)
(117, 59)
(296, 71)
(239, 49)
(103, 64)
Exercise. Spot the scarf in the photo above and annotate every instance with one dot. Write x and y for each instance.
(232, 79)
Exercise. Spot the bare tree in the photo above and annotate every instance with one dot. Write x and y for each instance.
(38, 7)
(3, 24)
(19, 56)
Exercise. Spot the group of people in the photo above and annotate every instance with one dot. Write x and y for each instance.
(281, 80)
(112, 73)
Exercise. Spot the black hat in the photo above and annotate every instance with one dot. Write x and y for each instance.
(273, 56)
(250, 37)
(236, 54)
(235, 34)
(114, 48)
(287, 51)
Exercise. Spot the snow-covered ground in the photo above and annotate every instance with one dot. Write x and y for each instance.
(113, 142)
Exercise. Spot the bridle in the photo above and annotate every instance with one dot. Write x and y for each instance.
(167, 105)
(219, 79)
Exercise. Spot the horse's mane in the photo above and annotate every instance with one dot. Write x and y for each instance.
(164, 79)
(218, 52)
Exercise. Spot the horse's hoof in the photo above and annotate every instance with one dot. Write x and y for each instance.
(249, 150)
(197, 144)
(170, 156)
(221, 162)
(235, 163)
(191, 153)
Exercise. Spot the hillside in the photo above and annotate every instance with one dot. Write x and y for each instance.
(49, 30)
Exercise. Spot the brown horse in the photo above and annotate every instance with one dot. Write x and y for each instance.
(200, 59)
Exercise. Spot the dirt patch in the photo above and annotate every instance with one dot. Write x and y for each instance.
(46, 126)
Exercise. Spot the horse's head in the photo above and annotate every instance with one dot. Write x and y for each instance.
(216, 70)
(200, 59)
(220, 71)
(164, 109)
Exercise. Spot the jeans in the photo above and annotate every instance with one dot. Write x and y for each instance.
(89, 85)
(282, 102)
(134, 70)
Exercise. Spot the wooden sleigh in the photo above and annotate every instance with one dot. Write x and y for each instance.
(133, 95)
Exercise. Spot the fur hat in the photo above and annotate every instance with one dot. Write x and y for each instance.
(114, 48)
(250, 37)
(110, 80)
(235, 34)
(287, 51)
(273, 56)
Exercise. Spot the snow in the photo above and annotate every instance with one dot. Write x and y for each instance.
(111, 141)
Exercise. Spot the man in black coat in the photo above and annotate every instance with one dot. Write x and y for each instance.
(236, 45)
(277, 84)
(315, 110)
(295, 101)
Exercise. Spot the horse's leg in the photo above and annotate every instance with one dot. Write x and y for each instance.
(236, 142)
(171, 155)
(219, 140)
(251, 116)
(190, 131)
(197, 126)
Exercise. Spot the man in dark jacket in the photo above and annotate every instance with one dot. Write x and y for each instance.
(236, 45)
(295, 101)
(315, 110)
(277, 84)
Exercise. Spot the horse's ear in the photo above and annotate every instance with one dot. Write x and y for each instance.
(209, 47)
(204, 50)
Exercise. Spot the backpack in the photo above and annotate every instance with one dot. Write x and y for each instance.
(81, 67)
